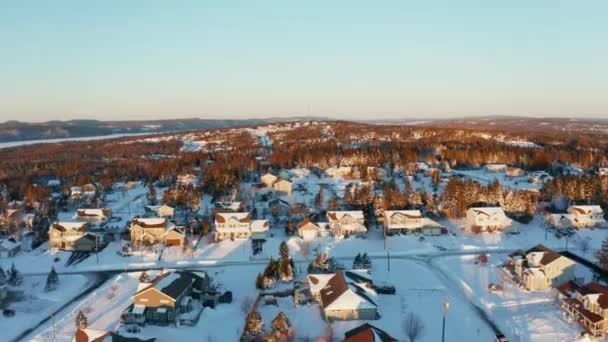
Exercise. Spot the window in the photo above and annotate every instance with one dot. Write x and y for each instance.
(170, 315)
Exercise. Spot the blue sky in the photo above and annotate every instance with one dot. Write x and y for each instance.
(344, 59)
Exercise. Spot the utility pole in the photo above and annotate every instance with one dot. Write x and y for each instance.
(97, 248)
(53, 328)
(444, 309)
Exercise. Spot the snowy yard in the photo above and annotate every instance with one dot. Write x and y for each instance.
(32, 303)
(521, 315)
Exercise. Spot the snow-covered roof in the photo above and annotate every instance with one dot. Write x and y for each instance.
(91, 212)
(408, 213)
(138, 309)
(239, 216)
(152, 221)
(494, 213)
(68, 225)
(338, 215)
(8, 245)
(586, 209)
(318, 281)
(260, 225)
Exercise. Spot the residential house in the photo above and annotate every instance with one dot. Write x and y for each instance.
(367, 333)
(150, 231)
(63, 235)
(159, 211)
(278, 184)
(93, 216)
(9, 248)
(497, 168)
(339, 172)
(515, 172)
(409, 221)
(487, 219)
(187, 179)
(228, 207)
(585, 304)
(239, 225)
(343, 299)
(602, 171)
(346, 223)
(91, 335)
(583, 216)
(166, 298)
(308, 230)
(558, 221)
(540, 268)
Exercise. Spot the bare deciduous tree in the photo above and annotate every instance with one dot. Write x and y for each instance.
(584, 245)
(413, 327)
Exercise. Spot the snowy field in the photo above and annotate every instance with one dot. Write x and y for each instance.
(521, 315)
(32, 304)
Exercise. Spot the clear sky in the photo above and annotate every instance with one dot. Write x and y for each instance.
(344, 59)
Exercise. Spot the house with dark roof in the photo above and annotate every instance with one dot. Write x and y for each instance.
(540, 268)
(585, 304)
(367, 333)
(344, 295)
(166, 298)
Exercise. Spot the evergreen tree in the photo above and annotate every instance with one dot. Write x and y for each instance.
(366, 262)
(14, 277)
(81, 320)
(281, 328)
(286, 270)
(319, 199)
(151, 193)
(2, 276)
(52, 280)
(272, 269)
(602, 255)
(284, 250)
(357, 262)
(144, 277)
(260, 284)
(254, 324)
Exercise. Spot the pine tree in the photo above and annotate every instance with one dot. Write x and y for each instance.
(319, 199)
(285, 270)
(254, 324)
(144, 277)
(272, 269)
(14, 277)
(151, 193)
(281, 328)
(52, 280)
(366, 262)
(602, 255)
(2, 276)
(81, 320)
(284, 250)
(357, 262)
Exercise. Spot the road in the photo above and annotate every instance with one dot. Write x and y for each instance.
(427, 259)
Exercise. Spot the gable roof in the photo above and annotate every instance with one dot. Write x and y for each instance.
(586, 209)
(92, 212)
(367, 333)
(543, 255)
(338, 215)
(65, 226)
(337, 295)
(406, 213)
(240, 216)
(154, 222)
(172, 284)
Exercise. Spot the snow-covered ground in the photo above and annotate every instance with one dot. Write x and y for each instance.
(521, 315)
(32, 303)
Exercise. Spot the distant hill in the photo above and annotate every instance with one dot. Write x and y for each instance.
(19, 131)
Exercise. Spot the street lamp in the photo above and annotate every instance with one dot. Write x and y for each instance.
(444, 308)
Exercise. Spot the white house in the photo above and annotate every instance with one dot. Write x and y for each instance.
(159, 211)
(268, 179)
(514, 172)
(239, 225)
(583, 216)
(345, 295)
(541, 268)
(487, 219)
(92, 215)
(308, 230)
(278, 184)
(346, 223)
(495, 167)
(409, 221)
(339, 172)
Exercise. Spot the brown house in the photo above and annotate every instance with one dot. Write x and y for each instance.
(367, 333)
(169, 296)
(587, 305)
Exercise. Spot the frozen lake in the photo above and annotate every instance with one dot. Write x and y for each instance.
(51, 141)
